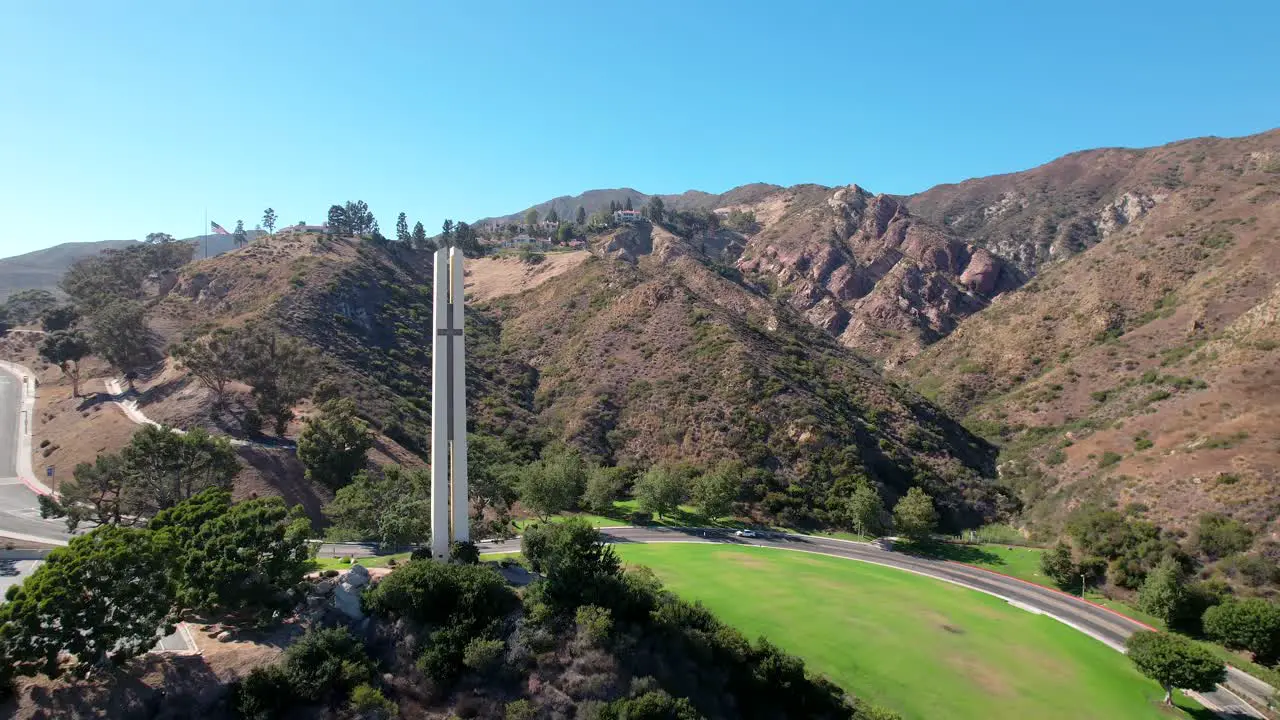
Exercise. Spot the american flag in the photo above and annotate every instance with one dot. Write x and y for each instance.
(219, 229)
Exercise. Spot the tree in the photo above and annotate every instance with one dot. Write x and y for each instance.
(66, 348)
(580, 218)
(1219, 536)
(235, 557)
(1059, 566)
(714, 492)
(96, 493)
(391, 507)
(332, 446)
(278, 368)
(58, 318)
(337, 220)
(467, 240)
(1164, 594)
(659, 490)
(554, 484)
(27, 306)
(164, 468)
(531, 218)
(914, 516)
(865, 509)
(159, 237)
(627, 206)
(402, 229)
(654, 211)
(1251, 624)
(574, 557)
(420, 240)
(269, 220)
(604, 486)
(1174, 662)
(122, 274)
(239, 235)
(212, 360)
(564, 233)
(553, 216)
(119, 334)
(105, 598)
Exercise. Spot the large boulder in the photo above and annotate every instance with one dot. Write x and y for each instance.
(346, 599)
(357, 576)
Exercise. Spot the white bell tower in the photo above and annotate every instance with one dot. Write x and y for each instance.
(448, 408)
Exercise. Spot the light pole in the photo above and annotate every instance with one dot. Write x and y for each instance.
(1081, 586)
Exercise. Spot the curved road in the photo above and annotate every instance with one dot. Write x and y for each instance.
(19, 511)
(1094, 620)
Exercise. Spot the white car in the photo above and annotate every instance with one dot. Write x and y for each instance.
(747, 533)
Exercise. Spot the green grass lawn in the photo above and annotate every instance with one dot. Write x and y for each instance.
(332, 563)
(1020, 562)
(925, 648)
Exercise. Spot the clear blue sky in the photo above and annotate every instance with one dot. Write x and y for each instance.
(121, 118)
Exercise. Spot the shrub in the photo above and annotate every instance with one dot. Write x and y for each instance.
(1056, 457)
(1219, 536)
(1251, 624)
(594, 623)
(1109, 458)
(1164, 593)
(482, 655)
(324, 661)
(1058, 565)
(370, 704)
(263, 694)
(464, 552)
(520, 710)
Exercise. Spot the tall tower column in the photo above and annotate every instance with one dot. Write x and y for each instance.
(441, 422)
(461, 507)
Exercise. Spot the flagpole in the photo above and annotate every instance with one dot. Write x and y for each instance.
(204, 234)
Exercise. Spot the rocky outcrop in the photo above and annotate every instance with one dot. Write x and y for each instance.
(862, 268)
(1125, 209)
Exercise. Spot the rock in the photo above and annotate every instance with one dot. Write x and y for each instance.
(982, 272)
(357, 576)
(326, 586)
(314, 601)
(224, 636)
(346, 599)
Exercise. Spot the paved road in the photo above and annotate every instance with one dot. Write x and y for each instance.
(19, 511)
(1103, 624)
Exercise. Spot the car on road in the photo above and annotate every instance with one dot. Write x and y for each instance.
(747, 533)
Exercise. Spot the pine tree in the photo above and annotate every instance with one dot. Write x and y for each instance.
(269, 221)
(402, 229)
(239, 235)
(628, 205)
(581, 217)
(420, 237)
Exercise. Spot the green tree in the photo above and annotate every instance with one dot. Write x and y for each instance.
(239, 235)
(269, 220)
(337, 220)
(1251, 624)
(122, 274)
(581, 216)
(627, 206)
(235, 557)
(1174, 662)
(280, 370)
(119, 335)
(865, 509)
(1059, 566)
(652, 705)
(655, 210)
(420, 240)
(333, 445)
(163, 468)
(578, 564)
(391, 507)
(714, 492)
(402, 229)
(1164, 594)
(66, 348)
(212, 360)
(605, 485)
(105, 598)
(96, 494)
(659, 490)
(553, 216)
(1219, 536)
(26, 307)
(564, 233)
(914, 516)
(531, 218)
(58, 318)
(553, 484)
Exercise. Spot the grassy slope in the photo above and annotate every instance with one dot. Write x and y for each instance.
(927, 649)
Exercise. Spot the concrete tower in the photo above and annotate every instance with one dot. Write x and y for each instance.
(448, 408)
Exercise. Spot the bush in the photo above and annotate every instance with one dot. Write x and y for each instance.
(464, 552)
(579, 566)
(594, 623)
(483, 655)
(656, 705)
(1164, 593)
(325, 661)
(370, 704)
(1058, 565)
(520, 710)
(1252, 624)
(263, 694)
(1219, 536)
(438, 594)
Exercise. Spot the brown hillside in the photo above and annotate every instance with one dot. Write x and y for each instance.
(1143, 368)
